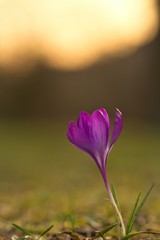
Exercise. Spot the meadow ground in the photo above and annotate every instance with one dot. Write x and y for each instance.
(45, 180)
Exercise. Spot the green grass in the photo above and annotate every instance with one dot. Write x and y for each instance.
(45, 180)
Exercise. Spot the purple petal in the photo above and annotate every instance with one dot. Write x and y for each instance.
(78, 138)
(74, 134)
(83, 123)
(100, 133)
(105, 115)
(117, 128)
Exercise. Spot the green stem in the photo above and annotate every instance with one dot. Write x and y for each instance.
(117, 211)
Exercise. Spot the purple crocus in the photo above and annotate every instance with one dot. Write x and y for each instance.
(91, 134)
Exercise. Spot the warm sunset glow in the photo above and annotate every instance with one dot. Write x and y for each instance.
(73, 33)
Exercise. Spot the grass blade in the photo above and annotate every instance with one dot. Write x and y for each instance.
(107, 229)
(131, 218)
(115, 196)
(45, 231)
(25, 231)
(104, 231)
(140, 207)
(138, 233)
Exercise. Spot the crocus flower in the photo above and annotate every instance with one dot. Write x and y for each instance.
(91, 134)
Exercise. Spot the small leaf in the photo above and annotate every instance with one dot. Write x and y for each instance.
(23, 230)
(139, 208)
(115, 196)
(138, 233)
(104, 231)
(44, 232)
(131, 218)
(101, 235)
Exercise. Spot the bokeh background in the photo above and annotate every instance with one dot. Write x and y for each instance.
(58, 58)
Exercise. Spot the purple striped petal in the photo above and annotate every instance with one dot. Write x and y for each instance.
(105, 115)
(83, 123)
(79, 139)
(76, 136)
(100, 133)
(117, 128)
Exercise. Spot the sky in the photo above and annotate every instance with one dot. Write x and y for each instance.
(72, 34)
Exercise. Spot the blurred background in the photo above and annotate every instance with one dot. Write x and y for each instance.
(58, 58)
